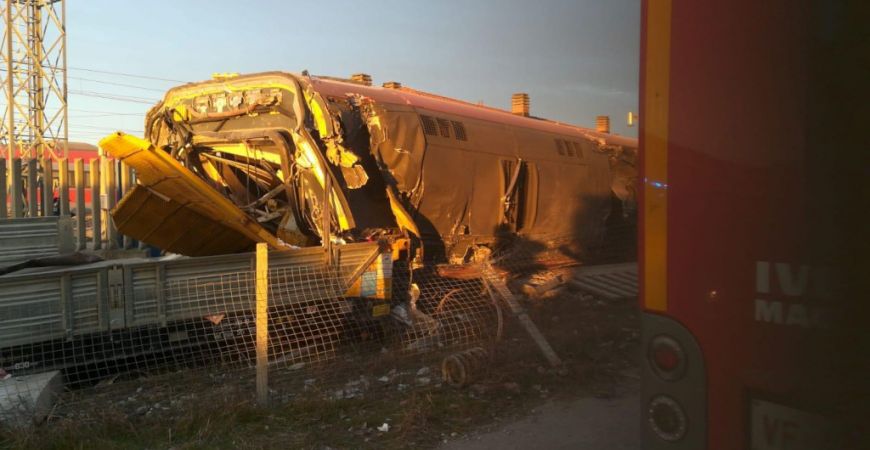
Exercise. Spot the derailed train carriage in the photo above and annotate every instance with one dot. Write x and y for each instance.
(238, 160)
(244, 159)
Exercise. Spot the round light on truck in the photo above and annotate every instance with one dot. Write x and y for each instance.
(667, 358)
(667, 418)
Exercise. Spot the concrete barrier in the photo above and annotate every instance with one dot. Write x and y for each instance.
(27, 400)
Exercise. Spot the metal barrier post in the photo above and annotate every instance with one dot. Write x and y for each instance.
(262, 323)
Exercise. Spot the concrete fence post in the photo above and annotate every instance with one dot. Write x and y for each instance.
(32, 192)
(3, 181)
(47, 186)
(15, 184)
(63, 186)
(262, 323)
(79, 172)
(111, 187)
(96, 209)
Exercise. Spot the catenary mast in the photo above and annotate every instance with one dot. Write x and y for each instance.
(34, 79)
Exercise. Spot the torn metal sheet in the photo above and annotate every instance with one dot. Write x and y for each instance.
(172, 208)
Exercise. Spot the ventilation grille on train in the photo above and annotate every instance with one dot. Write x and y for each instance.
(444, 127)
(434, 126)
(429, 126)
(459, 131)
(569, 148)
(578, 149)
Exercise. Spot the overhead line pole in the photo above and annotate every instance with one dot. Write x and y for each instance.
(34, 50)
(65, 86)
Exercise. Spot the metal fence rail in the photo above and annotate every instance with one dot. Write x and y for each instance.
(316, 308)
(120, 294)
(33, 237)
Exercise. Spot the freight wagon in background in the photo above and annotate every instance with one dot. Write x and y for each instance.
(749, 327)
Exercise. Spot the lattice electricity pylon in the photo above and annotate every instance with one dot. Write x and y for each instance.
(33, 57)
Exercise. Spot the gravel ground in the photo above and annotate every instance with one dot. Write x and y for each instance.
(582, 423)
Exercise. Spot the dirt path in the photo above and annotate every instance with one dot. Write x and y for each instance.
(584, 423)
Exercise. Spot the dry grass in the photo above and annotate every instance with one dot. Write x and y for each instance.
(189, 410)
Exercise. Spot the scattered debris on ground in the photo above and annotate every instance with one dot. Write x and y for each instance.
(408, 403)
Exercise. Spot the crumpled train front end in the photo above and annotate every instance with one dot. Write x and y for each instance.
(232, 162)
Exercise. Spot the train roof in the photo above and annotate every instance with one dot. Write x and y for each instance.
(447, 105)
(338, 87)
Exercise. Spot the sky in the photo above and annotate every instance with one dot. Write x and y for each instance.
(575, 58)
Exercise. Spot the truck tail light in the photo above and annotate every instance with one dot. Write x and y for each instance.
(667, 418)
(673, 386)
(667, 358)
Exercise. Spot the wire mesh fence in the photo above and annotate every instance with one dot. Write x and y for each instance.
(67, 334)
(144, 338)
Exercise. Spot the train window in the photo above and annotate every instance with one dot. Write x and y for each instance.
(459, 131)
(560, 147)
(429, 125)
(578, 149)
(444, 127)
(569, 148)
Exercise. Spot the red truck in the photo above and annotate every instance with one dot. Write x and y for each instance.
(750, 339)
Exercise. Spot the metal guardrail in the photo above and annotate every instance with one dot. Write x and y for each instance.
(26, 238)
(119, 294)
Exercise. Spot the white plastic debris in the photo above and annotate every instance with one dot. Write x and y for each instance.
(384, 428)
